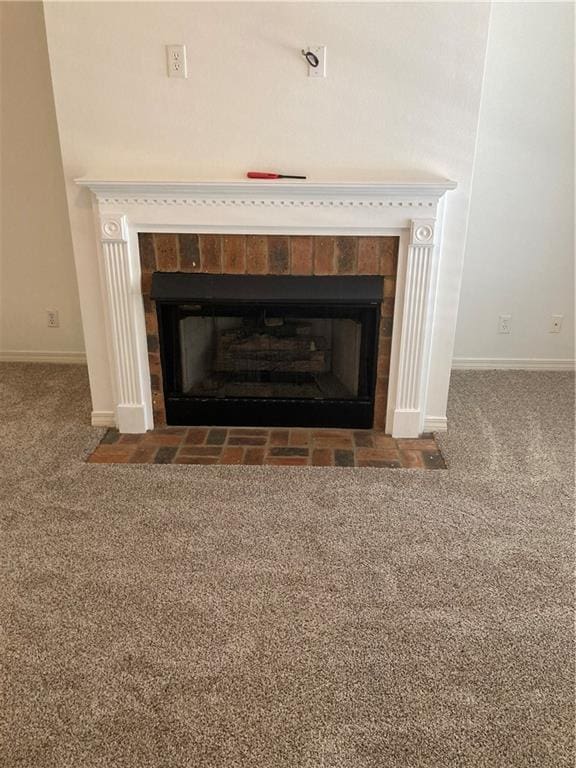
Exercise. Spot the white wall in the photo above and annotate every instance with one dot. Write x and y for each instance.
(520, 249)
(36, 262)
(402, 96)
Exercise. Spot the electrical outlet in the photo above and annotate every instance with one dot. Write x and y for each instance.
(505, 324)
(176, 60)
(556, 323)
(53, 321)
(320, 52)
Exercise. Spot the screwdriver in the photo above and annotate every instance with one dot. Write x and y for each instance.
(263, 175)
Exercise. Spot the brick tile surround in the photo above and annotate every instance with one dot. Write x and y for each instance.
(270, 255)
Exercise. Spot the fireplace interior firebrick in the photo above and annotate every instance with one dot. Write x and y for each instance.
(268, 350)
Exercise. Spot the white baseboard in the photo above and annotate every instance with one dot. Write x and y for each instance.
(103, 419)
(513, 363)
(38, 356)
(435, 424)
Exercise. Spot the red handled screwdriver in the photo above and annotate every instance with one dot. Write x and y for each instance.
(262, 175)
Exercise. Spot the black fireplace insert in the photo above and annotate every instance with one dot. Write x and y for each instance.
(268, 350)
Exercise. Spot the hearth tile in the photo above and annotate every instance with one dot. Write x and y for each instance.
(159, 439)
(130, 439)
(344, 433)
(195, 436)
(200, 450)
(343, 458)
(165, 455)
(376, 454)
(382, 440)
(363, 439)
(288, 452)
(144, 454)
(381, 464)
(247, 432)
(254, 456)
(433, 460)
(300, 437)
(169, 430)
(118, 450)
(111, 436)
(217, 437)
(274, 447)
(232, 455)
(247, 441)
(322, 457)
(333, 441)
(279, 437)
(411, 459)
(286, 461)
(417, 444)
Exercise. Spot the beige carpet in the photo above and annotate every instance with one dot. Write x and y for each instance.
(162, 616)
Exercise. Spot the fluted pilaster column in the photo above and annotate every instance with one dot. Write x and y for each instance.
(130, 408)
(414, 344)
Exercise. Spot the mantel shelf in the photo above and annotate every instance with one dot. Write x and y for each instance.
(110, 188)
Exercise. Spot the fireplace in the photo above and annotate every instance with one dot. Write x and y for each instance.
(268, 350)
(418, 312)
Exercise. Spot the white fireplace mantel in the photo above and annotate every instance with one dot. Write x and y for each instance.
(413, 210)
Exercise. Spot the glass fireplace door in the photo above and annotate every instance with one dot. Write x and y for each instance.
(256, 364)
(271, 363)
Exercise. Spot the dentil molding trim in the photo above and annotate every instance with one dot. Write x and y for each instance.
(274, 193)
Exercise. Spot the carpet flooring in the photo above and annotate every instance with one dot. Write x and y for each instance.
(189, 616)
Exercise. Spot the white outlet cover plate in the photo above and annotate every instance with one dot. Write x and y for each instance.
(176, 61)
(320, 52)
(53, 318)
(556, 323)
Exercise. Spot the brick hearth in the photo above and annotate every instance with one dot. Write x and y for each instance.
(276, 447)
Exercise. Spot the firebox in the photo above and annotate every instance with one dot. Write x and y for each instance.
(268, 350)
